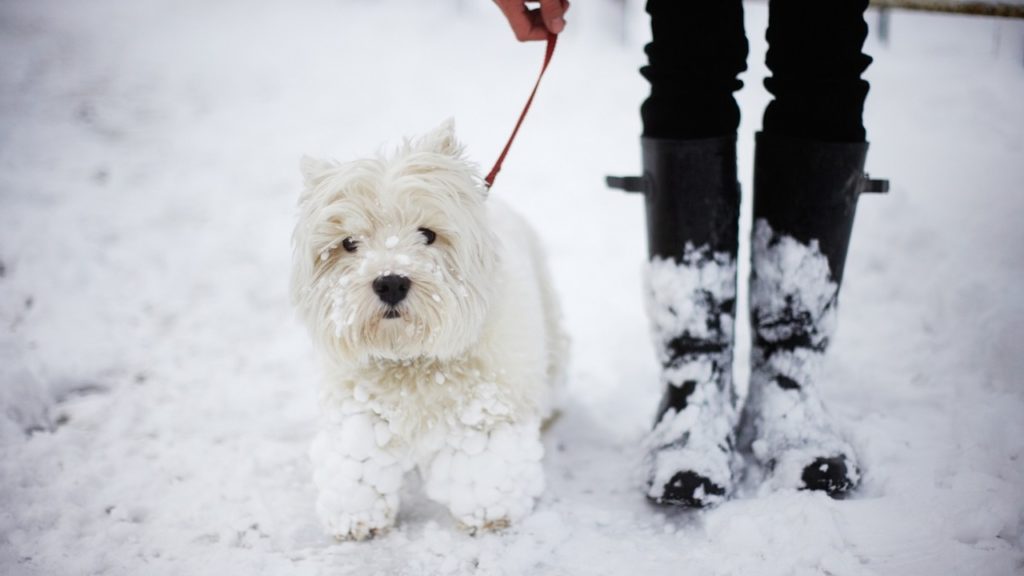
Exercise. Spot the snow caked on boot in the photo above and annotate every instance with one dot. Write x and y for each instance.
(692, 200)
(805, 196)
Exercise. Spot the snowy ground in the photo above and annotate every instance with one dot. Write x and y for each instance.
(157, 393)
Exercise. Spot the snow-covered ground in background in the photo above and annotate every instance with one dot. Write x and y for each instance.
(158, 395)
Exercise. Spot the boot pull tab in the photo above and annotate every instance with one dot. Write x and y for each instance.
(874, 186)
(627, 183)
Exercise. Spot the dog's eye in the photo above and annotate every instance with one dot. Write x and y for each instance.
(349, 244)
(429, 234)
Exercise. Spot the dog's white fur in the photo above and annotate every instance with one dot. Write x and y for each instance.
(459, 383)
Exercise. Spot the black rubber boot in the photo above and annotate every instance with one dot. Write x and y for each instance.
(805, 197)
(692, 200)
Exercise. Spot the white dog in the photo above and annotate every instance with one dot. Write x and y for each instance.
(431, 308)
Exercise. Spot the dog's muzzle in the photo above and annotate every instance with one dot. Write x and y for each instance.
(391, 289)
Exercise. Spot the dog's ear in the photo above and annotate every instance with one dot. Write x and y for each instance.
(314, 171)
(442, 139)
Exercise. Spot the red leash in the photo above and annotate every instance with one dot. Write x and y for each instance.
(489, 180)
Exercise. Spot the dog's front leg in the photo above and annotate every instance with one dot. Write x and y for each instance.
(488, 479)
(358, 475)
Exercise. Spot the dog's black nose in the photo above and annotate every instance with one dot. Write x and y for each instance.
(391, 288)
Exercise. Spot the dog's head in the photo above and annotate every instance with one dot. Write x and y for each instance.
(393, 258)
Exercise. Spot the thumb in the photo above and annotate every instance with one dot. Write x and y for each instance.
(552, 12)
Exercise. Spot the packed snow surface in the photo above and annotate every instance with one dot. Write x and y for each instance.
(157, 394)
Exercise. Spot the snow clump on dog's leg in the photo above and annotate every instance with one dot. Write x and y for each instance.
(488, 480)
(356, 475)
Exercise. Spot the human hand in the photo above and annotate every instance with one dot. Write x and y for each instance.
(534, 23)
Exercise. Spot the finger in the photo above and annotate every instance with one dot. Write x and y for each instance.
(552, 12)
(538, 31)
(526, 24)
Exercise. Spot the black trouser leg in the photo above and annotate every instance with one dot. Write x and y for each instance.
(816, 59)
(695, 54)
